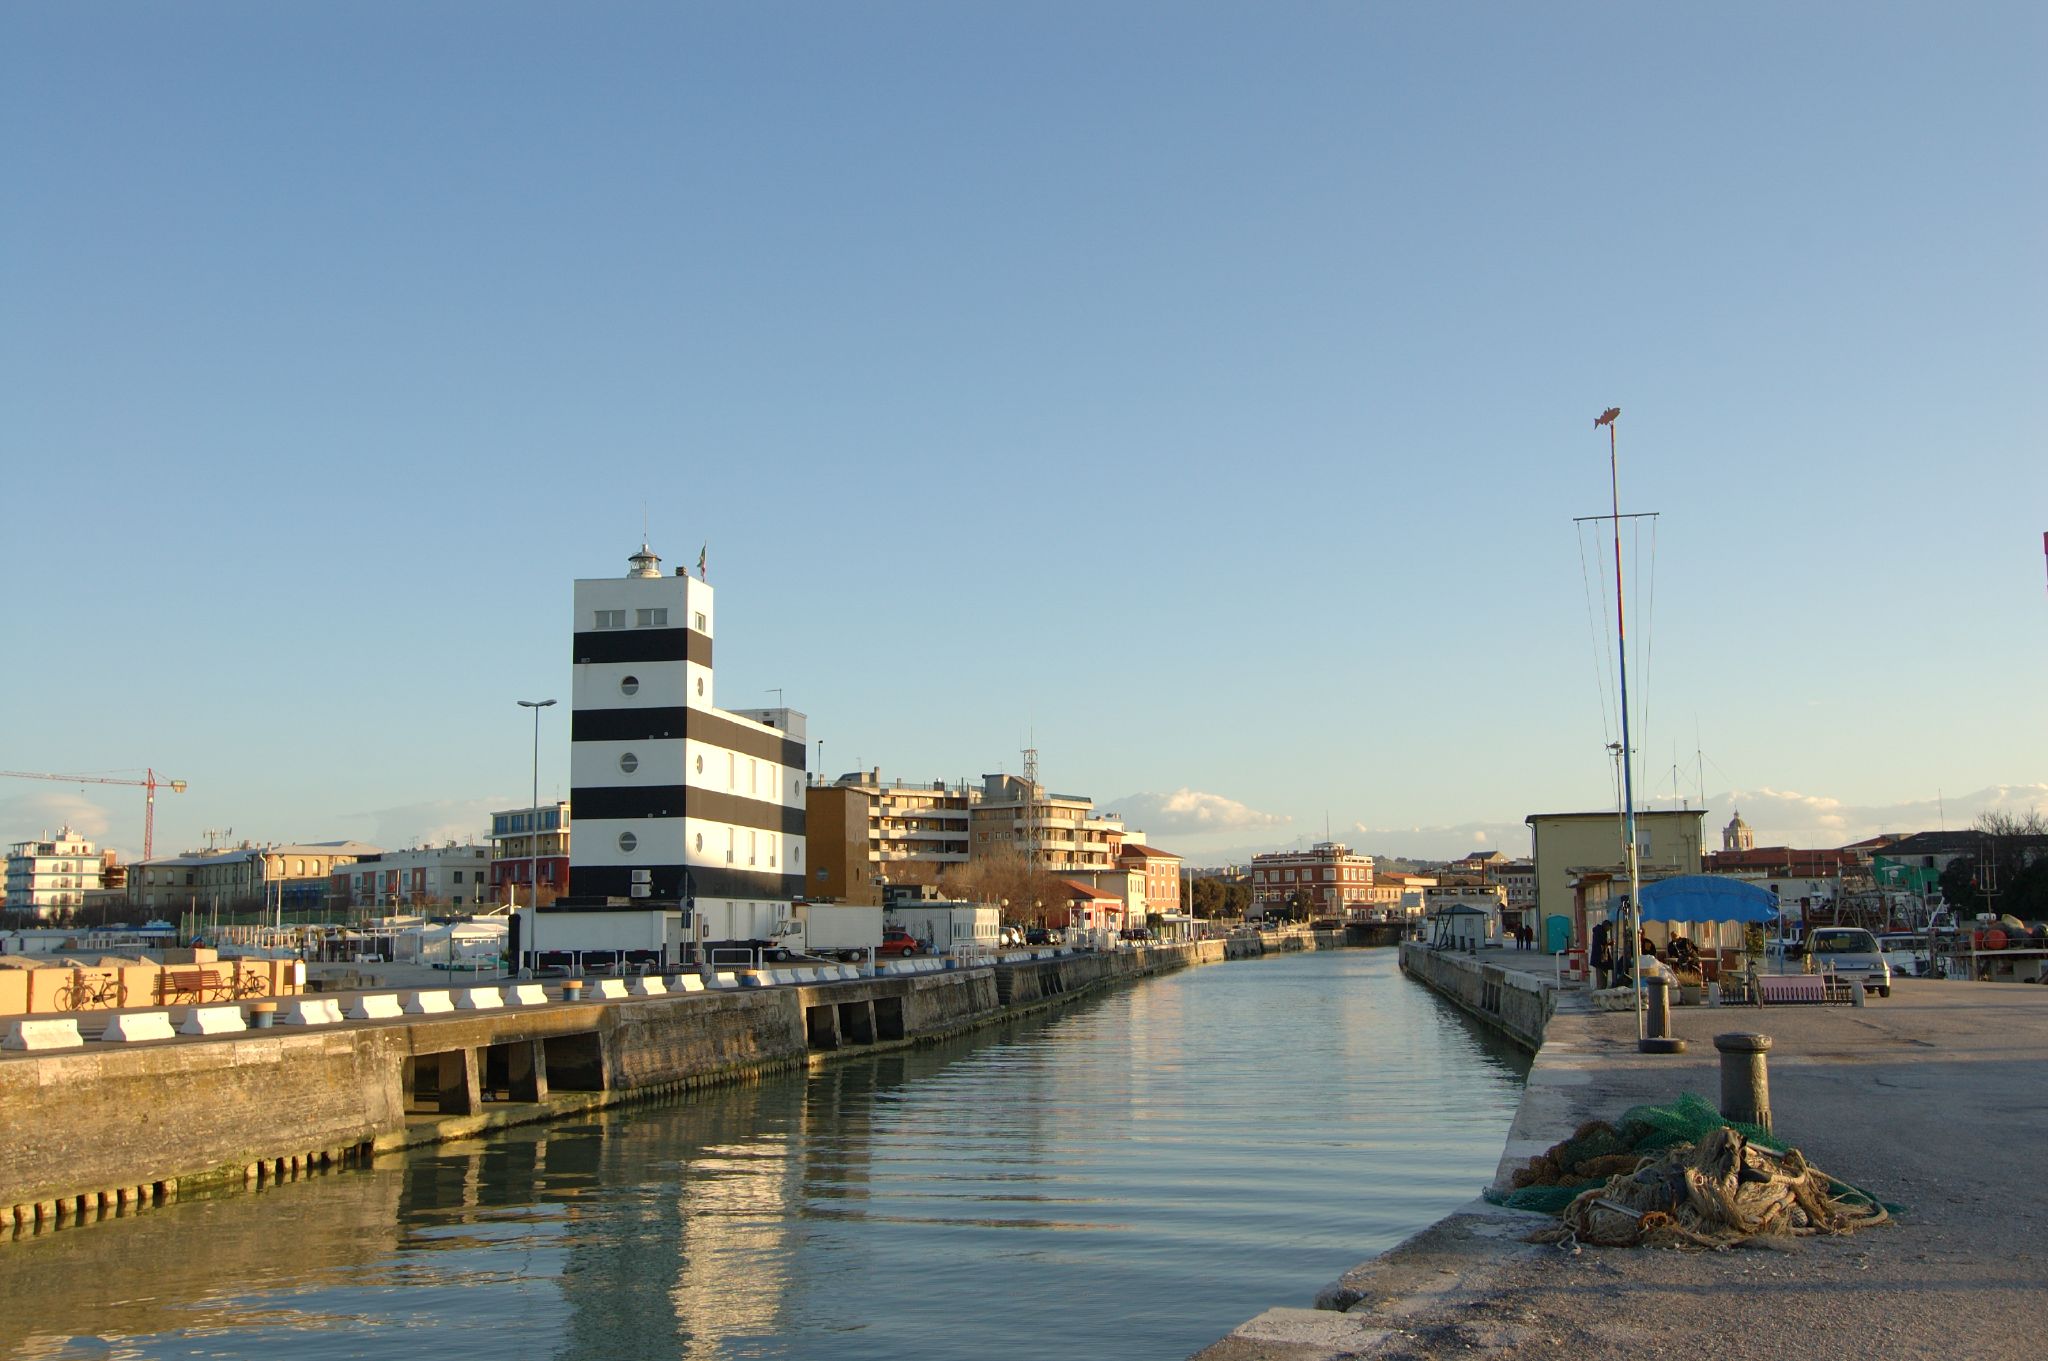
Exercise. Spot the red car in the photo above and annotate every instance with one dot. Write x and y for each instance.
(897, 941)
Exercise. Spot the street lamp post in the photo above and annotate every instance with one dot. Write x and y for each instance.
(533, 828)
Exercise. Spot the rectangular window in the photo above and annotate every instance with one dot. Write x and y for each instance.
(702, 625)
(650, 619)
(458, 876)
(611, 619)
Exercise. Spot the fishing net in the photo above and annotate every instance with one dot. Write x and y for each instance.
(1680, 1175)
(1719, 1192)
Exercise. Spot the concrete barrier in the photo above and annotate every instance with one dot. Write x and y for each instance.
(428, 1002)
(724, 980)
(375, 1006)
(647, 985)
(221, 1020)
(609, 987)
(49, 1033)
(479, 999)
(129, 1027)
(526, 995)
(689, 982)
(309, 1011)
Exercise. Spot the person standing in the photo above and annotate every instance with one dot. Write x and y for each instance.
(1603, 954)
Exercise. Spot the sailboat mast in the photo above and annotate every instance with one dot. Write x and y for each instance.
(1628, 784)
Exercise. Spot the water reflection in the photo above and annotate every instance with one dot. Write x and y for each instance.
(1128, 1177)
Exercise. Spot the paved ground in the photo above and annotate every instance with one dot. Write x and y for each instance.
(1936, 1099)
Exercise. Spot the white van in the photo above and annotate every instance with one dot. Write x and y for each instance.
(1853, 955)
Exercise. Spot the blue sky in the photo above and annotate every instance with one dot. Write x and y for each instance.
(1205, 391)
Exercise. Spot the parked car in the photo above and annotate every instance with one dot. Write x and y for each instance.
(1138, 933)
(1039, 935)
(1853, 954)
(897, 941)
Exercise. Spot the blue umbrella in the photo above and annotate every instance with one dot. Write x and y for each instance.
(1707, 898)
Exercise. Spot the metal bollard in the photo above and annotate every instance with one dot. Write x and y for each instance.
(1745, 1078)
(1657, 1018)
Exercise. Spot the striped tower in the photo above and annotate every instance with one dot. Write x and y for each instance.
(678, 802)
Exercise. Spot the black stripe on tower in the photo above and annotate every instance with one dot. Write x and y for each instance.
(598, 802)
(654, 724)
(644, 645)
(665, 882)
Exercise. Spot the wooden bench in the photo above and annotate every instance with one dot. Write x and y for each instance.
(190, 985)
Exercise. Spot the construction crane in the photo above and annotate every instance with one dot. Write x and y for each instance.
(152, 782)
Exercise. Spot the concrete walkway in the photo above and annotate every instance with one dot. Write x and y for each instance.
(1934, 1099)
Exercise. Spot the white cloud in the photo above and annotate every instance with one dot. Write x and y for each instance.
(29, 815)
(1442, 842)
(1785, 817)
(1191, 812)
(429, 823)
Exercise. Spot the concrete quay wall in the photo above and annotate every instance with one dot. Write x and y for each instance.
(1518, 1005)
(87, 1130)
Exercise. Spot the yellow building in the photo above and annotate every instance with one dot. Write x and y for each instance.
(1566, 846)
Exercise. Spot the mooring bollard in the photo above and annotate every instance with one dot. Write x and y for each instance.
(1745, 1078)
(1657, 1037)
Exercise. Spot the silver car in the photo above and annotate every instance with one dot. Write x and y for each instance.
(1853, 954)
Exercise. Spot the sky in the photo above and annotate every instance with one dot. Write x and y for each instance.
(1202, 393)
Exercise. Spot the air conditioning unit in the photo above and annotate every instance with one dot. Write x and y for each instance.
(643, 876)
(643, 890)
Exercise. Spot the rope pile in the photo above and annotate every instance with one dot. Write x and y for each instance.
(1724, 1190)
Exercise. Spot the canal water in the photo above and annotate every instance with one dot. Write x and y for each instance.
(1130, 1177)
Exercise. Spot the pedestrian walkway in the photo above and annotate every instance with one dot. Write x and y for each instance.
(1931, 1099)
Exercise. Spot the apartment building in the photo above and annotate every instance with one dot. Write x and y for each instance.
(51, 874)
(1055, 832)
(867, 833)
(1160, 873)
(1335, 877)
(529, 845)
(430, 876)
(287, 877)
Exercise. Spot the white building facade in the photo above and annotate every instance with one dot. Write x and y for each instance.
(454, 876)
(51, 874)
(680, 805)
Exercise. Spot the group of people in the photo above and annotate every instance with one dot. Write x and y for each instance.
(1524, 937)
(1611, 956)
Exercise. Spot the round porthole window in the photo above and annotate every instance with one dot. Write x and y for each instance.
(627, 841)
(700, 841)
(630, 685)
(700, 685)
(700, 763)
(629, 763)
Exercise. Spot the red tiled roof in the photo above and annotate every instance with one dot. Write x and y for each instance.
(1082, 890)
(1139, 848)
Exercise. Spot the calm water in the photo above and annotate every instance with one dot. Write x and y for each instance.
(1131, 1177)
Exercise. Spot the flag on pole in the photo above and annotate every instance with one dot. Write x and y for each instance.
(701, 553)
